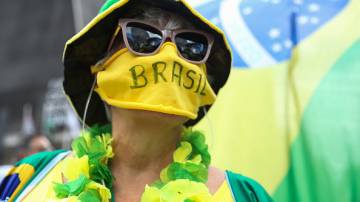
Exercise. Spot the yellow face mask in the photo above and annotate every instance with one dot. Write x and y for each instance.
(163, 82)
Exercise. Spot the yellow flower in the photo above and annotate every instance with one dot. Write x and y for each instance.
(151, 194)
(103, 191)
(177, 191)
(181, 153)
(106, 140)
(87, 137)
(164, 175)
(73, 167)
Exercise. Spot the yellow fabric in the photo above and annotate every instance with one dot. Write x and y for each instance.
(223, 194)
(44, 190)
(25, 172)
(163, 82)
(249, 117)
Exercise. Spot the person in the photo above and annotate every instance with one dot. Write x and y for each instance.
(156, 67)
(38, 143)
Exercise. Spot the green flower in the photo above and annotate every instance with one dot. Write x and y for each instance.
(199, 146)
(98, 147)
(181, 181)
(184, 153)
(188, 170)
(103, 192)
(70, 199)
(82, 189)
(71, 188)
(191, 160)
(99, 150)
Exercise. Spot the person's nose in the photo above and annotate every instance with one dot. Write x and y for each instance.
(168, 36)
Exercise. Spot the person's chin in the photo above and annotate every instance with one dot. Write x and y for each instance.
(152, 117)
(162, 116)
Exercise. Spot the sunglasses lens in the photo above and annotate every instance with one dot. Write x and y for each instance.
(143, 38)
(192, 46)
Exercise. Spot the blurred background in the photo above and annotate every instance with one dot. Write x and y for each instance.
(288, 117)
(32, 37)
(34, 113)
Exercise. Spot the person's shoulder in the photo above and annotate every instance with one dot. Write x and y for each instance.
(246, 189)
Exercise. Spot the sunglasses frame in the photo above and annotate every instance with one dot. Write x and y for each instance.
(171, 34)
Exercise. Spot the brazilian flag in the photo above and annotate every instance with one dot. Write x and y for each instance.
(289, 115)
(27, 173)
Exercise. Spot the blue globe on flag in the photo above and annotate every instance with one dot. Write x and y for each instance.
(263, 32)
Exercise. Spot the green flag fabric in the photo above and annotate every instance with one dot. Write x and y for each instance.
(293, 124)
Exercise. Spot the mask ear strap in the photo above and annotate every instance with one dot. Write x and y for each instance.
(88, 103)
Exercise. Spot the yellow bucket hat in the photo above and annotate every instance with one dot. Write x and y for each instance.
(89, 46)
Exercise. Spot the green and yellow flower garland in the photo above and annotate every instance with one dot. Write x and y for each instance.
(87, 177)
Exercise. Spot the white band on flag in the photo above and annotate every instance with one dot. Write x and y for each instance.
(245, 44)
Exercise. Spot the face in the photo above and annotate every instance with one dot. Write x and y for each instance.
(153, 26)
(149, 117)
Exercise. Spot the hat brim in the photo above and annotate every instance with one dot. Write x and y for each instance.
(89, 46)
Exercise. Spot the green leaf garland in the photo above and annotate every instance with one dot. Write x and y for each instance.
(182, 180)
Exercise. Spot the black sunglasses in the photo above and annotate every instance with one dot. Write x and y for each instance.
(143, 38)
